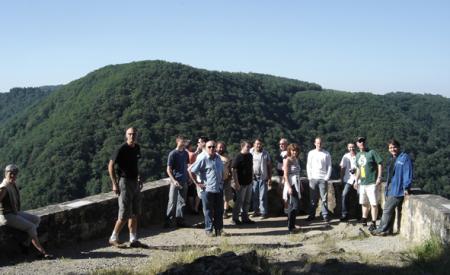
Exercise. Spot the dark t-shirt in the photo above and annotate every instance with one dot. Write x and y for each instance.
(178, 161)
(243, 163)
(126, 158)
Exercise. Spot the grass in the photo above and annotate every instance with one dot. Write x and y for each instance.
(431, 257)
(187, 254)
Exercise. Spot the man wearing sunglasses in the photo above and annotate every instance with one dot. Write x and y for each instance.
(210, 171)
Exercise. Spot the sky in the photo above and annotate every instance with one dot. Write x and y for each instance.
(358, 46)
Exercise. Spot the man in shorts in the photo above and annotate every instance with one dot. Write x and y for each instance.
(127, 187)
(368, 176)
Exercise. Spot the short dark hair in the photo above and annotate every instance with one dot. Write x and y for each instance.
(394, 142)
(244, 142)
(204, 138)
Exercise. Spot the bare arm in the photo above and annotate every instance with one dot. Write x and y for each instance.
(237, 186)
(269, 173)
(380, 170)
(285, 175)
(112, 175)
(173, 180)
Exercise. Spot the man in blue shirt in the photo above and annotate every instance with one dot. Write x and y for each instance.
(398, 182)
(210, 171)
(177, 164)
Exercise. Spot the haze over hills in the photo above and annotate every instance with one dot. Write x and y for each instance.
(62, 140)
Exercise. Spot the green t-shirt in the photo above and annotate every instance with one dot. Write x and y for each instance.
(367, 163)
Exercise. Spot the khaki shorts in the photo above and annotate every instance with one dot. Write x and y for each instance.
(369, 194)
(130, 198)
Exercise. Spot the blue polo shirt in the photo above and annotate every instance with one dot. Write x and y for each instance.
(210, 171)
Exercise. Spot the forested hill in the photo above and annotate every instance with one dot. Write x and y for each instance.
(19, 99)
(63, 143)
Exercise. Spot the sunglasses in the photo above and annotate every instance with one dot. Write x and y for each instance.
(209, 147)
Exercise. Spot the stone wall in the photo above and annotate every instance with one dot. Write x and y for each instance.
(94, 216)
(87, 218)
(425, 215)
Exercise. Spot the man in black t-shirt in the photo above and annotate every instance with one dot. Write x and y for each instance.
(242, 169)
(127, 188)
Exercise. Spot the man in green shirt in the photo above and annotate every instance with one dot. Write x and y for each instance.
(368, 176)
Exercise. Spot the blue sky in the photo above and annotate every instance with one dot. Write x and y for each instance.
(372, 46)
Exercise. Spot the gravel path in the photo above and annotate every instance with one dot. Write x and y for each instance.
(316, 239)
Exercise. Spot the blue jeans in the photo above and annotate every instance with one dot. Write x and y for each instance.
(260, 196)
(345, 195)
(388, 218)
(293, 208)
(177, 201)
(243, 197)
(317, 187)
(213, 203)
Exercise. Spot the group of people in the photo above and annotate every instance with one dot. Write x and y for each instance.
(221, 182)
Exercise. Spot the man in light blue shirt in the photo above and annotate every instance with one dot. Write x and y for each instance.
(210, 172)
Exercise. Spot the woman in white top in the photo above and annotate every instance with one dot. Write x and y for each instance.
(291, 174)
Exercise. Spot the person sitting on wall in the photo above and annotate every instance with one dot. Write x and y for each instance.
(11, 215)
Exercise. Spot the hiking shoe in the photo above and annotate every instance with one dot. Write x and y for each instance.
(372, 227)
(379, 233)
(256, 214)
(326, 219)
(364, 222)
(344, 218)
(138, 244)
(236, 222)
(264, 217)
(181, 225)
(309, 218)
(248, 221)
(116, 243)
(46, 256)
(225, 215)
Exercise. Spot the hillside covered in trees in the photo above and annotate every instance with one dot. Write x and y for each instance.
(62, 141)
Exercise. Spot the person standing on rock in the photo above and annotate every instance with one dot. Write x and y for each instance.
(177, 164)
(318, 168)
(11, 215)
(127, 185)
(291, 172)
(227, 190)
(242, 169)
(348, 173)
(368, 176)
(210, 171)
(399, 178)
(262, 175)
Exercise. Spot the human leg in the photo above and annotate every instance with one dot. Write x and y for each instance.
(293, 209)
(345, 194)
(247, 194)
(323, 189)
(255, 196)
(208, 202)
(314, 197)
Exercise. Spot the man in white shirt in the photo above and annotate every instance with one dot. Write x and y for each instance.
(348, 172)
(318, 168)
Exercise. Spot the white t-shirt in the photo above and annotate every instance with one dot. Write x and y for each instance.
(318, 165)
(349, 162)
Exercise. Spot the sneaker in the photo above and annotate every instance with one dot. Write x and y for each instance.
(138, 244)
(46, 256)
(225, 215)
(372, 227)
(236, 222)
(248, 221)
(116, 243)
(309, 218)
(326, 219)
(256, 214)
(378, 233)
(364, 221)
(209, 234)
(344, 218)
(264, 217)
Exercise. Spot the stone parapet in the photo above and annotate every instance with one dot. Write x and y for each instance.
(424, 216)
(88, 218)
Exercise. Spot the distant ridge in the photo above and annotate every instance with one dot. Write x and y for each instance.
(63, 140)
